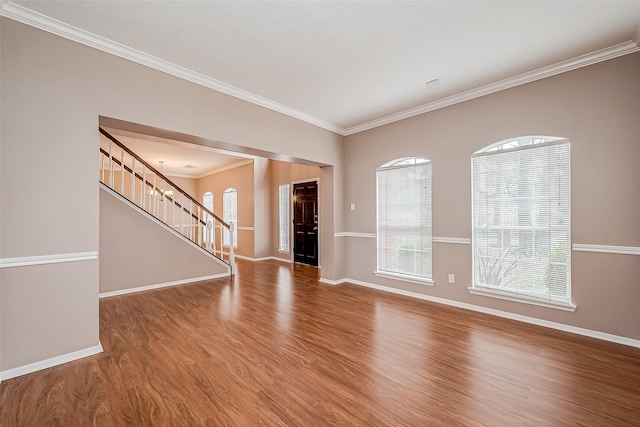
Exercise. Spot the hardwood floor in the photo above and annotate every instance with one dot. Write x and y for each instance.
(275, 347)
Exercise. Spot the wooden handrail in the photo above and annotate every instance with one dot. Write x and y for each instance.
(156, 189)
(167, 180)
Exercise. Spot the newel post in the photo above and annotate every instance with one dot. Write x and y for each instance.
(210, 237)
(232, 255)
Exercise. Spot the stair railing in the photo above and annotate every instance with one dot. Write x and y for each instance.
(132, 177)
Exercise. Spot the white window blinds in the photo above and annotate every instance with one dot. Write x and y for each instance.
(404, 218)
(522, 219)
(207, 202)
(230, 214)
(283, 244)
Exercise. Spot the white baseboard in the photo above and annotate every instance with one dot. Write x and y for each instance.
(160, 285)
(266, 258)
(331, 282)
(526, 319)
(48, 363)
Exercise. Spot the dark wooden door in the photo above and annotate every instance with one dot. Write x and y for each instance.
(305, 223)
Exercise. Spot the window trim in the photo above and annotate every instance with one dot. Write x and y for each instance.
(405, 277)
(288, 221)
(393, 165)
(494, 293)
(514, 295)
(225, 231)
(492, 148)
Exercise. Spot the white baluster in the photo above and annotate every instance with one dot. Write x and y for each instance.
(122, 171)
(164, 201)
(102, 167)
(182, 213)
(212, 235)
(199, 226)
(232, 255)
(143, 196)
(191, 220)
(133, 179)
(155, 197)
(110, 166)
(221, 241)
(208, 237)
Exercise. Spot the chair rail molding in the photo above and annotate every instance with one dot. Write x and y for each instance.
(47, 259)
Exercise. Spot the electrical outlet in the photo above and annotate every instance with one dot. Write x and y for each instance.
(353, 206)
(452, 278)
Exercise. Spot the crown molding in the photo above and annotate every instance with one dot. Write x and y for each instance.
(225, 168)
(531, 76)
(51, 25)
(43, 22)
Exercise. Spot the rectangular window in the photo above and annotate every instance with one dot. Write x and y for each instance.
(522, 221)
(404, 219)
(284, 204)
(230, 214)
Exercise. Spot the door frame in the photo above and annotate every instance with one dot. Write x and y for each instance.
(291, 230)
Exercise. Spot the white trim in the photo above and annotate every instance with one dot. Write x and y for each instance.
(351, 234)
(218, 225)
(404, 277)
(520, 318)
(521, 298)
(223, 168)
(161, 285)
(46, 23)
(541, 73)
(605, 249)
(331, 282)
(266, 258)
(47, 259)
(454, 240)
(48, 363)
(304, 181)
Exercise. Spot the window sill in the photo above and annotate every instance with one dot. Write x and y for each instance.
(283, 252)
(522, 298)
(404, 278)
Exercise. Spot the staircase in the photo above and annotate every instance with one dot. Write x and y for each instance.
(127, 174)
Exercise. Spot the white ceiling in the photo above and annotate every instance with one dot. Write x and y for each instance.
(348, 66)
(179, 158)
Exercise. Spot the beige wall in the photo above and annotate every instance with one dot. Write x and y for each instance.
(53, 92)
(135, 250)
(0, 200)
(257, 186)
(262, 207)
(597, 108)
(240, 178)
(190, 185)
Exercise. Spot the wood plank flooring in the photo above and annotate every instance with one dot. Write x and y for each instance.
(275, 347)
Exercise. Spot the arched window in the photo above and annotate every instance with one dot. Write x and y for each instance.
(404, 219)
(522, 220)
(230, 214)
